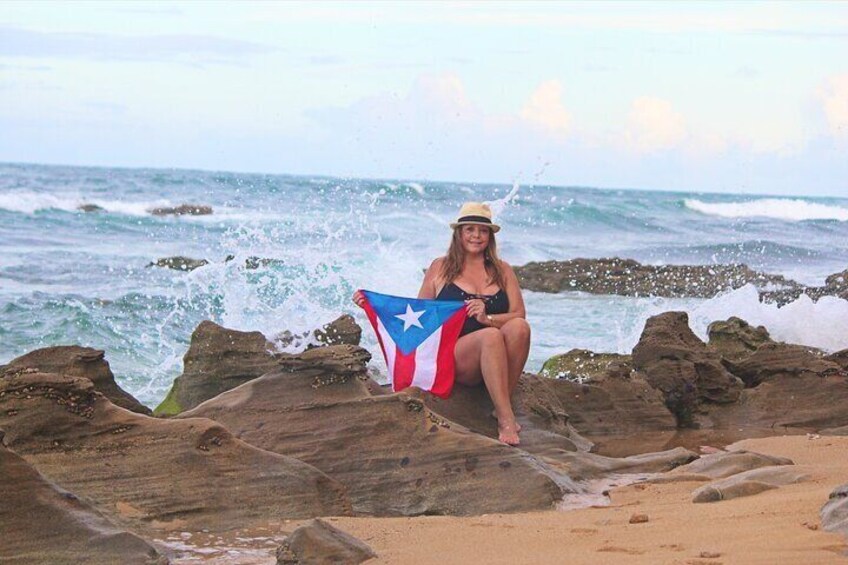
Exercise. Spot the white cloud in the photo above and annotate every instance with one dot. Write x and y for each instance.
(834, 97)
(545, 109)
(653, 125)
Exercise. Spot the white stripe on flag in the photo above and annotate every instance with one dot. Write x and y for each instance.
(426, 357)
(390, 347)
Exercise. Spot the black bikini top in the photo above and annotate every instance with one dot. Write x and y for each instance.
(497, 303)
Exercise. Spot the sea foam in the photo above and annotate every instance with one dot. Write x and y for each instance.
(792, 210)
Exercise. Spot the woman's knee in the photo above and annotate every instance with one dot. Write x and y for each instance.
(491, 337)
(517, 328)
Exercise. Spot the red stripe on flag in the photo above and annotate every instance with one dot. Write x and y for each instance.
(404, 370)
(446, 362)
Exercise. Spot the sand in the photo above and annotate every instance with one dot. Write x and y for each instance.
(778, 526)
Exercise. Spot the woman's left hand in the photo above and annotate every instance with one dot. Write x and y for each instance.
(476, 309)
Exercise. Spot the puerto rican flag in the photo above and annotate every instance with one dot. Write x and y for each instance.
(417, 338)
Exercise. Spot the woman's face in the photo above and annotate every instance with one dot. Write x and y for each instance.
(475, 238)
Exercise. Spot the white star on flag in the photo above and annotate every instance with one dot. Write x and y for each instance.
(410, 318)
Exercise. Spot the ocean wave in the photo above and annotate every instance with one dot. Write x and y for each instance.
(793, 210)
(28, 202)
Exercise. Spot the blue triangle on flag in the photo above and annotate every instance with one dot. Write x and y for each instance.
(410, 321)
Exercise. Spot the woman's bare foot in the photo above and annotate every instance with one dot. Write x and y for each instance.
(517, 425)
(508, 433)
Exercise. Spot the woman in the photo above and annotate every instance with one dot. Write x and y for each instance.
(495, 339)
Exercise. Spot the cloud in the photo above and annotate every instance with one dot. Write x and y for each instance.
(834, 98)
(653, 125)
(197, 49)
(546, 110)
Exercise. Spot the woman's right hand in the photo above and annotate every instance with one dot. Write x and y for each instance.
(358, 298)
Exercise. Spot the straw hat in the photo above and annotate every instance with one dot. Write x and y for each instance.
(475, 213)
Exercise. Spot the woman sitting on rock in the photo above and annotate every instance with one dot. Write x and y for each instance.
(495, 339)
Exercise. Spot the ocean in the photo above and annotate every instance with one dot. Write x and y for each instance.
(73, 277)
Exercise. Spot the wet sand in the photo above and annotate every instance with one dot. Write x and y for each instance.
(775, 527)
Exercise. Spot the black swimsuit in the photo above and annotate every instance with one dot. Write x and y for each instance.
(497, 303)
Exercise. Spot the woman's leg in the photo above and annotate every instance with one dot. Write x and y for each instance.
(516, 336)
(483, 355)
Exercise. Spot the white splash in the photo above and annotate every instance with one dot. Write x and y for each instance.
(793, 210)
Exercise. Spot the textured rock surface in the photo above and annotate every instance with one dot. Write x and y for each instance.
(153, 474)
(75, 361)
(840, 358)
(781, 359)
(834, 514)
(220, 359)
(676, 362)
(582, 365)
(734, 339)
(40, 523)
(320, 543)
(581, 466)
(394, 455)
(630, 278)
(748, 483)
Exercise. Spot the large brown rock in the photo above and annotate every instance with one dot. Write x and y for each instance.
(630, 278)
(394, 455)
(40, 523)
(781, 359)
(676, 362)
(834, 514)
(76, 361)
(726, 463)
(840, 358)
(734, 338)
(319, 543)
(152, 474)
(748, 483)
(219, 359)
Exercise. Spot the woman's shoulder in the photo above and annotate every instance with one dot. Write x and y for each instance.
(438, 262)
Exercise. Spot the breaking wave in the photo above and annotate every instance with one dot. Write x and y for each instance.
(792, 210)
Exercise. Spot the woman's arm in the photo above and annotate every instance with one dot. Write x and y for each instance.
(516, 301)
(431, 279)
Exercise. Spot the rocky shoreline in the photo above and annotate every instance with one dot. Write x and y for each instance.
(254, 438)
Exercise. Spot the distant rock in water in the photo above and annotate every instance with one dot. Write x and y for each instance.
(90, 208)
(219, 359)
(179, 263)
(581, 365)
(183, 210)
(320, 543)
(40, 523)
(627, 277)
(76, 361)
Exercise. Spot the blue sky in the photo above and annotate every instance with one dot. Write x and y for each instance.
(720, 97)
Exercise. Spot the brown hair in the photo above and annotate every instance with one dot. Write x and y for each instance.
(455, 260)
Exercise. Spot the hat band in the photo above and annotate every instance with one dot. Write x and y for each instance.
(478, 219)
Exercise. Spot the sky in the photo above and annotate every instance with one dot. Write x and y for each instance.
(747, 97)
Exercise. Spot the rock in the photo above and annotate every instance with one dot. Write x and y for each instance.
(395, 456)
(319, 543)
(840, 358)
(638, 518)
(151, 474)
(40, 523)
(76, 361)
(840, 431)
(183, 210)
(219, 359)
(90, 208)
(630, 278)
(727, 463)
(781, 359)
(676, 362)
(735, 339)
(581, 365)
(179, 263)
(748, 483)
(834, 514)
(582, 466)
(342, 330)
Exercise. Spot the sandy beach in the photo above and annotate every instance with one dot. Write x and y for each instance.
(777, 526)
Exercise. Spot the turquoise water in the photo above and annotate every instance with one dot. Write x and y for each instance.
(73, 277)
